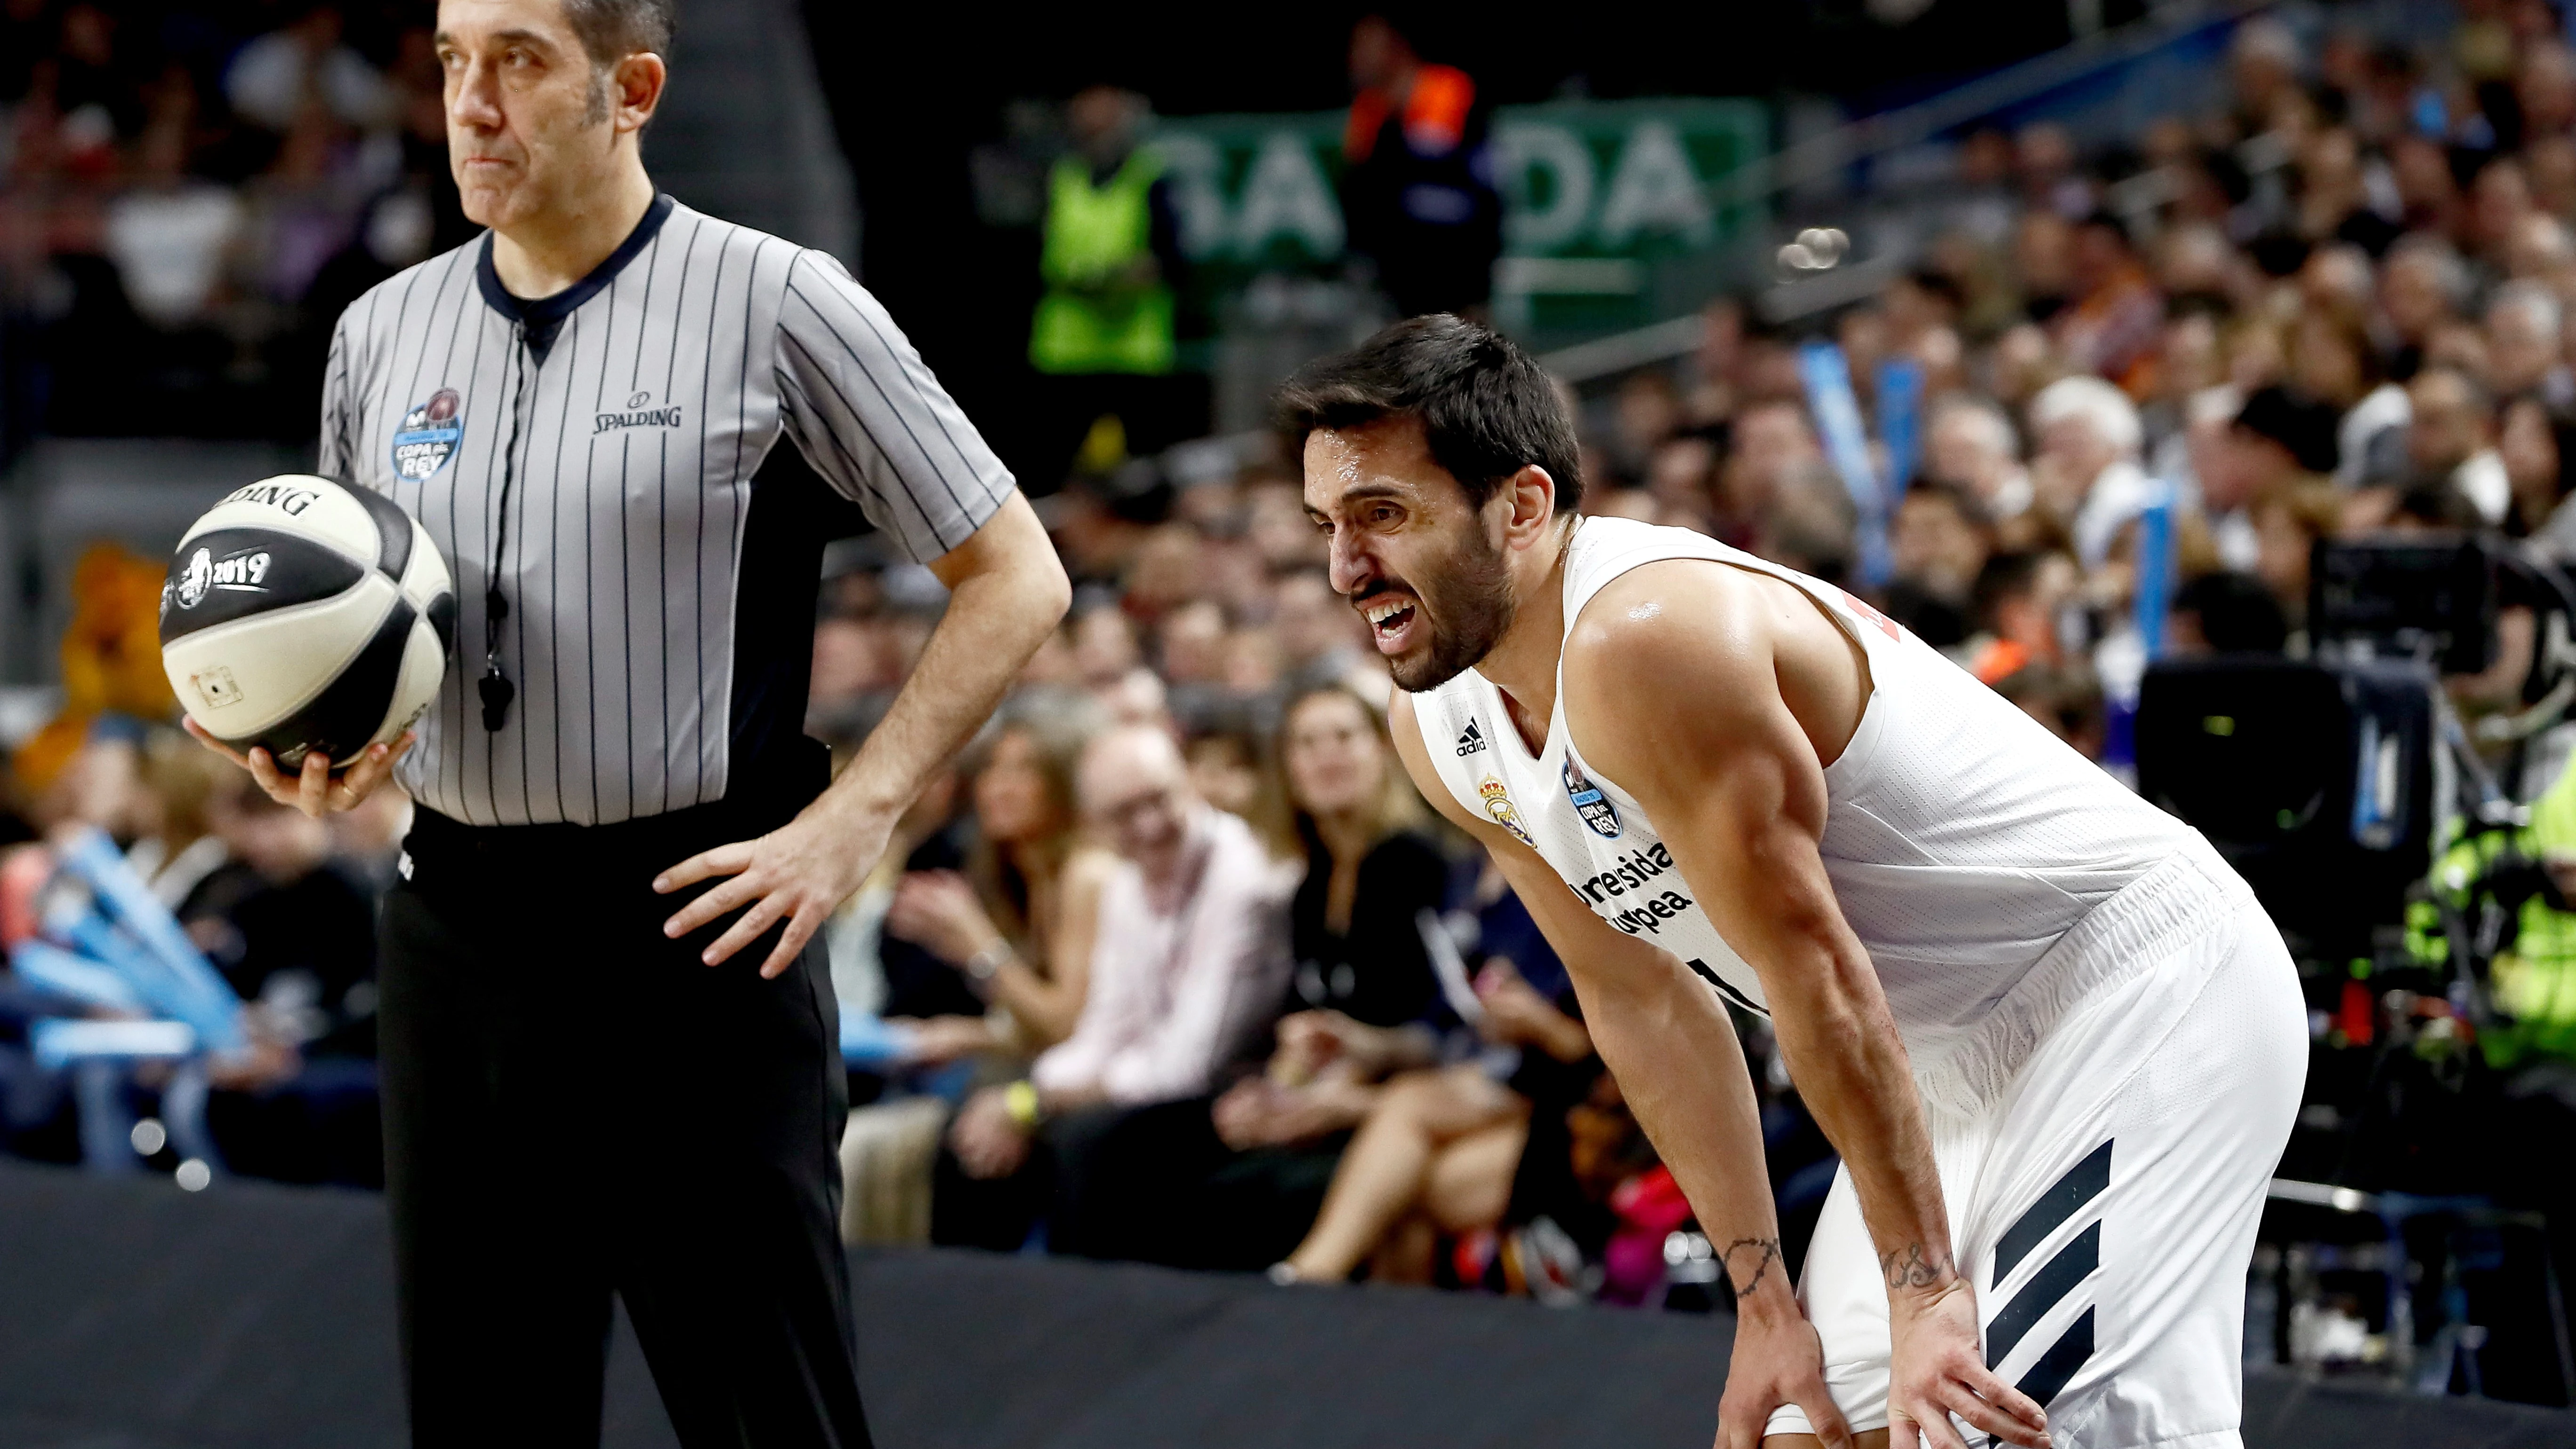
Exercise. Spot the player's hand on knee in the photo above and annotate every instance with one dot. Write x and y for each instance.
(1936, 1369)
(1778, 1357)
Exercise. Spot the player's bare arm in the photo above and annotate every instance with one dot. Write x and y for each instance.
(1673, 1049)
(1007, 592)
(1731, 693)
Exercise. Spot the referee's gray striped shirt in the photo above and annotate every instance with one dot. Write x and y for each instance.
(660, 605)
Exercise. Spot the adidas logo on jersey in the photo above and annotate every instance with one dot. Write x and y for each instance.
(1471, 741)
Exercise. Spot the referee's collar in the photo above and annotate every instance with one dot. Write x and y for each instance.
(545, 314)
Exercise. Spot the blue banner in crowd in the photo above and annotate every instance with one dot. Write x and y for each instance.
(1900, 422)
(2154, 592)
(1827, 376)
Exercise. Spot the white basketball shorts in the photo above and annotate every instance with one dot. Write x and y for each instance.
(2106, 1202)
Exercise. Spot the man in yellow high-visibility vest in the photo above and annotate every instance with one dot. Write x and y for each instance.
(1103, 335)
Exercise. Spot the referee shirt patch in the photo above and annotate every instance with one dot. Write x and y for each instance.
(428, 436)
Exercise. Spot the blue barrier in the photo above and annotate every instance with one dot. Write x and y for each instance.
(127, 930)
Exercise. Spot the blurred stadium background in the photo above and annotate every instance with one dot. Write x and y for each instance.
(2198, 374)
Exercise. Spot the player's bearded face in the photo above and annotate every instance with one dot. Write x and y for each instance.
(1445, 612)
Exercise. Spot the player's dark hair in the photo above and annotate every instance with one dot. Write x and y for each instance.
(1486, 408)
(611, 30)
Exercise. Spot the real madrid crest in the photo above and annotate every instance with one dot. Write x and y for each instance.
(1498, 804)
(1589, 802)
(428, 436)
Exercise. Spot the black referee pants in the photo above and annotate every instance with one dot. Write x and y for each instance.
(574, 1106)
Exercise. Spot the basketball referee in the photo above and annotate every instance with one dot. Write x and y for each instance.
(577, 405)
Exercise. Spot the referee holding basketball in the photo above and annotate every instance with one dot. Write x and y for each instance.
(614, 790)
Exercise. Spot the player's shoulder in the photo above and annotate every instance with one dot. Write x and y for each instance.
(1667, 621)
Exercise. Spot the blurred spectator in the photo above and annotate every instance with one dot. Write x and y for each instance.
(2113, 314)
(2066, 698)
(275, 78)
(2534, 445)
(2450, 441)
(2085, 472)
(1016, 916)
(2423, 286)
(1321, 639)
(294, 932)
(190, 203)
(2288, 522)
(1439, 1150)
(974, 942)
(1188, 955)
(1372, 869)
(2278, 440)
(1678, 479)
(2331, 359)
(1231, 1181)
(2022, 600)
(1104, 333)
(1225, 769)
(1938, 544)
(1969, 445)
(1417, 190)
(2524, 346)
(2226, 613)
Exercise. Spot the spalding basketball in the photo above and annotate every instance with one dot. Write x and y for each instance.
(302, 614)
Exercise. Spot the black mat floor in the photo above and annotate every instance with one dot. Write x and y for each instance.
(133, 1316)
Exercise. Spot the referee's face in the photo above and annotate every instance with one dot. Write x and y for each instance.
(532, 124)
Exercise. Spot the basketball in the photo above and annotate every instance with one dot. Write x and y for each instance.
(301, 614)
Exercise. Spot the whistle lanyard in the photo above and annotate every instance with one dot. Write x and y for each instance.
(495, 686)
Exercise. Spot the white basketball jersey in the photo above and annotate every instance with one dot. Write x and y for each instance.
(1963, 839)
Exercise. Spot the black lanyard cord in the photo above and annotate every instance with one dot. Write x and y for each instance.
(495, 687)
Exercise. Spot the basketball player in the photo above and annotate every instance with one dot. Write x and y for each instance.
(2055, 1041)
(614, 790)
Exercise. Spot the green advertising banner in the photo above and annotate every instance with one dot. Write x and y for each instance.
(1607, 203)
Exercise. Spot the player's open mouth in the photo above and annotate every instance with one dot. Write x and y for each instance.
(1391, 621)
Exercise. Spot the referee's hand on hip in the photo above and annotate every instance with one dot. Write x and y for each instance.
(1007, 593)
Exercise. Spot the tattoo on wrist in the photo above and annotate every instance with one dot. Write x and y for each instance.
(1762, 1251)
(1909, 1267)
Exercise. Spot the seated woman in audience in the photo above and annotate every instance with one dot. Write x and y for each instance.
(1015, 916)
(983, 959)
(1230, 1182)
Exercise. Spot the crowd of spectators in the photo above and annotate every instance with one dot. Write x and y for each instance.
(191, 190)
(1174, 965)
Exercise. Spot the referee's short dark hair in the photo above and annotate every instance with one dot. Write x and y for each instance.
(1487, 409)
(611, 30)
